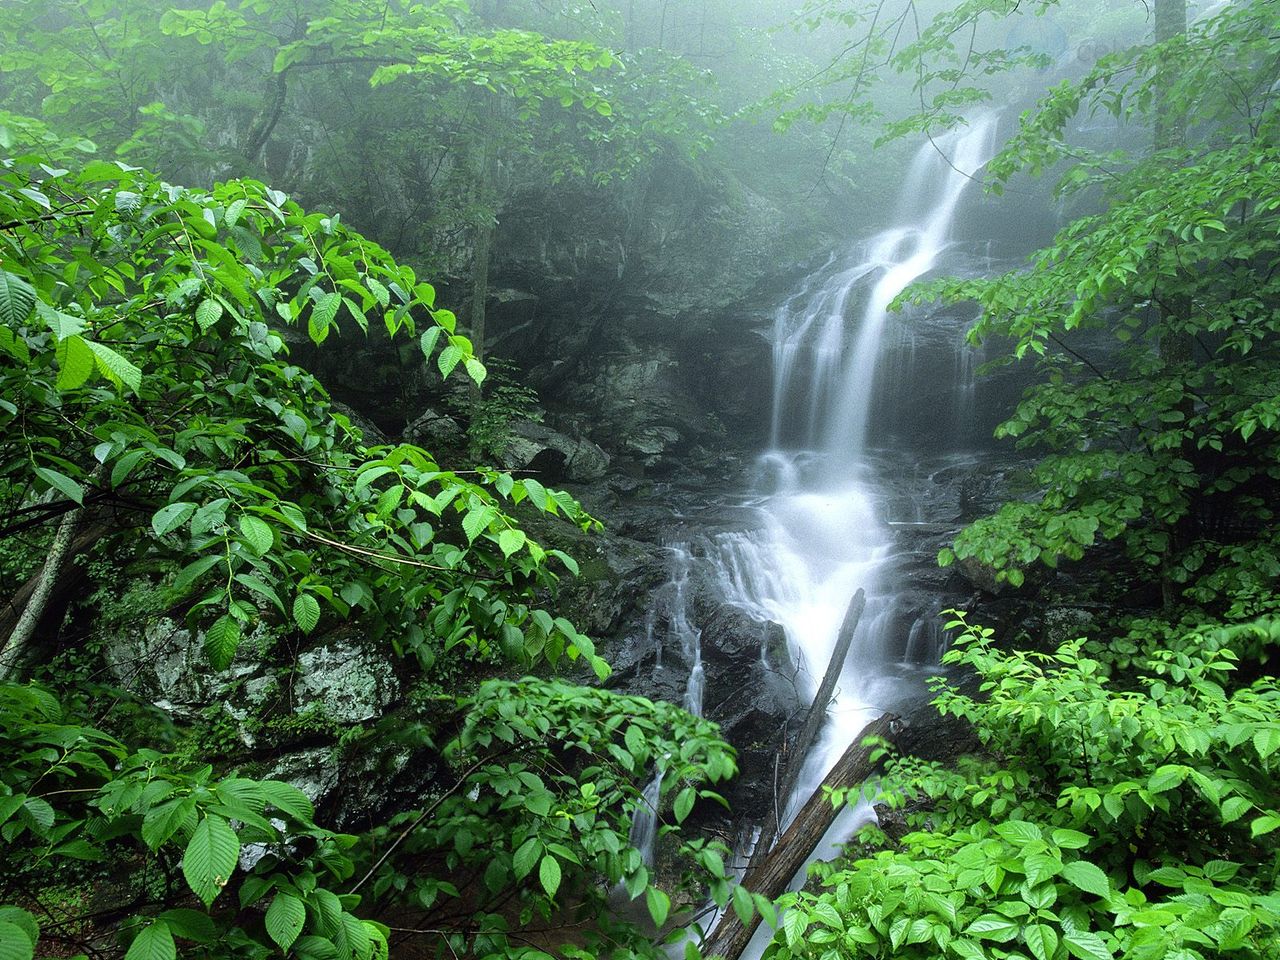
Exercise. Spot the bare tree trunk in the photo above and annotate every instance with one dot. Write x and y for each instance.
(19, 641)
(771, 877)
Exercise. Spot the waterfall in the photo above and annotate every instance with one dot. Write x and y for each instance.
(821, 532)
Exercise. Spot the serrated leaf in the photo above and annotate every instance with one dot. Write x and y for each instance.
(208, 314)
(323, 312)
(115, 367)
(75, 363)
(221, 641)
(510, 541)
(1088, 878)
(288, 799)
(659, 905)
(1042, 941)
(234, 210)
(1263, 825)
(449, 358)
(475, 370)
(167, 519)
(306, 612)
(62, 483)
(1267, 741)
(525, 857)
(257, 534)
(285, 919)
(17, 299)
(549, 875)
(476, 520)
(210, 858)
(1086, 945)
(155, 942)
(742, 904)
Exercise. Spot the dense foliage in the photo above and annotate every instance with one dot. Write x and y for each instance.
(151, 414)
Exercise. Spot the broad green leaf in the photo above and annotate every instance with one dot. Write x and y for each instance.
(1086, 945)
(210, 858)
(1041, 940)
(288, 799)
(208, 314)
(14, 942)
(62, 483)
(449, 358)
(115, 367)
(17, 299)
(155, 942)
(742, 904)
(167, 519)
(323, 312)
(549, 875)
(1088, 878)
(525, 857)
(221, 641)
(659, 905)
(285, 919)
(510, 541)
(306, 612)
(75, 363)
(257, 534)
(1267, 741)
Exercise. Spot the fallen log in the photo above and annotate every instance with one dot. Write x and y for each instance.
(818, 709)
(770, 877)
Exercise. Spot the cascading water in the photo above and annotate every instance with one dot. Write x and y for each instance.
(821, 532)
(671, 609)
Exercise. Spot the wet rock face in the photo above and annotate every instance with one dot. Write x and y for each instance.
(555, 457)
(749, 680)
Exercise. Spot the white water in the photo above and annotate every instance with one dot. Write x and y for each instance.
(821, 535)
(671, 609)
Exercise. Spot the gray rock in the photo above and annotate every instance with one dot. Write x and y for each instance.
(553, 455)
(344, 683)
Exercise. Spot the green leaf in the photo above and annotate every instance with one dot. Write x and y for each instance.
(475, 370)
(62, 483)
(116, 368)
(684, 803)
(1070, 839)
(285, 919)
(1019, 832)
(989, 926)
(221, 641)
(1086, 945)
(659, 905)
(1267, 741)
(510, 541)
(17, 299)
(257, 534)
(448, 359)
(14, 942)
(1042, 941)
(167, 519)
(75, 363)
(323, 313)
(155, 942)
(742, 904)
(306, 612)
(1088, 878)
(288, 799)
(549, 875)
(208, 314)
(525, 857)
(1263, 825)
(210, 858)
(476, 520)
